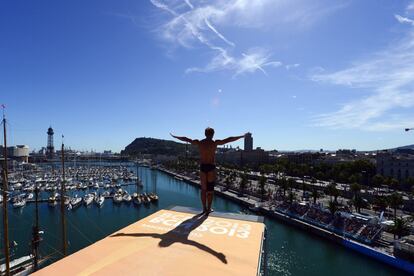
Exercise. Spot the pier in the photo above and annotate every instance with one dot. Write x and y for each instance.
(176, 241)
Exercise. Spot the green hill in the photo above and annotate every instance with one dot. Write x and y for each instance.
(145, 145)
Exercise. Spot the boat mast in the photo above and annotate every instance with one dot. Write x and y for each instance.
(5, 189)
(62, 201)
(36, 237)
(137, 176)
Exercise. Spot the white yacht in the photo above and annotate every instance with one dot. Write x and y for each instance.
(19, 203)
(88, 199)
(99, 200)
(117, 198)
(76, 201)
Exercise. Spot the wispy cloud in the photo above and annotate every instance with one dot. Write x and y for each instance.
(189, 4)
(410, 7)
(198, 22)
(388, 75)
(402, 19)
(254, 60)
(290, 66)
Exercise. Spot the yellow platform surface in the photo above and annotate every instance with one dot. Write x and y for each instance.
(171, 243)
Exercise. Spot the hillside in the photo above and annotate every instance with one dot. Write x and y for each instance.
(407, 147)
(145, 145)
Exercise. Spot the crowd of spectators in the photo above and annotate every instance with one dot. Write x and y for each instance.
(341, 224)
(298, 209)
(319, 215)
(283, 206)
(370, 232)
(352, 225)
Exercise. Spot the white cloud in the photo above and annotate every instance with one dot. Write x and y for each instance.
(189, 4)
(254, 60)
(290, 66)
(199, 22)
(402, 19)
(388, 76)
(410, 7)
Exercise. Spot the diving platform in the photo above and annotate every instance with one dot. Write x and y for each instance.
(174, 241)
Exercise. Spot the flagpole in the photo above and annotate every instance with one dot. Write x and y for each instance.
(5, 191)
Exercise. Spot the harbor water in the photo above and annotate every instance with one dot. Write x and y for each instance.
(291, 251)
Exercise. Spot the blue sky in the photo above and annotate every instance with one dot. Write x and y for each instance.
(298, 74)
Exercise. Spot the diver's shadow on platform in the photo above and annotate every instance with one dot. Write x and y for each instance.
(180, 234)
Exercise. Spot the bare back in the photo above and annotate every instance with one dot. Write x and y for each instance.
(207, 150)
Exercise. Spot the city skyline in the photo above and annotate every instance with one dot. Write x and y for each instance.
(298, 75)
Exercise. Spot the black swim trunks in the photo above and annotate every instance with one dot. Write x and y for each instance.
(206, 168)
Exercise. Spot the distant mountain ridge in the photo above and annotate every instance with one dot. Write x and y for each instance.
(406, 147)
(144, 145)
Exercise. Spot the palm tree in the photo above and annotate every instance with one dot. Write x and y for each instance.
(333, 207)
(409, 184)
(377, 181)
(355, 188)
(283, 183)
(393, 183)
(243, 184)
(262, 184)
(292, 196)
(315, 195)
(303, 189)
(395, 200)
(332, 191)
(227, 182)
(382, 203)
(400, 227)
(291, 183)
(358, 202)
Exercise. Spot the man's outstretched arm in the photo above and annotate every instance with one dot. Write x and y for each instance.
(185, 139)
(229, 140)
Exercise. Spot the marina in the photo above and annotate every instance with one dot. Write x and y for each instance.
(84, 185)
(291, 251)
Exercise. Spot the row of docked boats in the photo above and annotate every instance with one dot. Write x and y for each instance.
(120, 196)
(145, 198)
(82, 178)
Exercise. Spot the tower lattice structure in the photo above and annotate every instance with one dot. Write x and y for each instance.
(50, 150)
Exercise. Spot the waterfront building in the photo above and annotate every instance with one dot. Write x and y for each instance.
(399, 165)
(248, 142)
(242, 157)
(19, 153)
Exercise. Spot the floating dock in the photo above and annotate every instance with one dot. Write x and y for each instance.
(177, 241)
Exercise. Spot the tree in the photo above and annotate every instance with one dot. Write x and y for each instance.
(395, 200)
(262, 184)
(291, 183)
(283, 183)
(358, 202)
(292, 196)
(333, 207)
(354, 178)
(332, 190)
(377, 181)
(227, 182)
(315, 195)
(243, 184)
(320, 175)
(355, 188)
(393, 184)
(303, 189)
(409, 184)
(382, 203)
(266, 168)
(400, 227)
